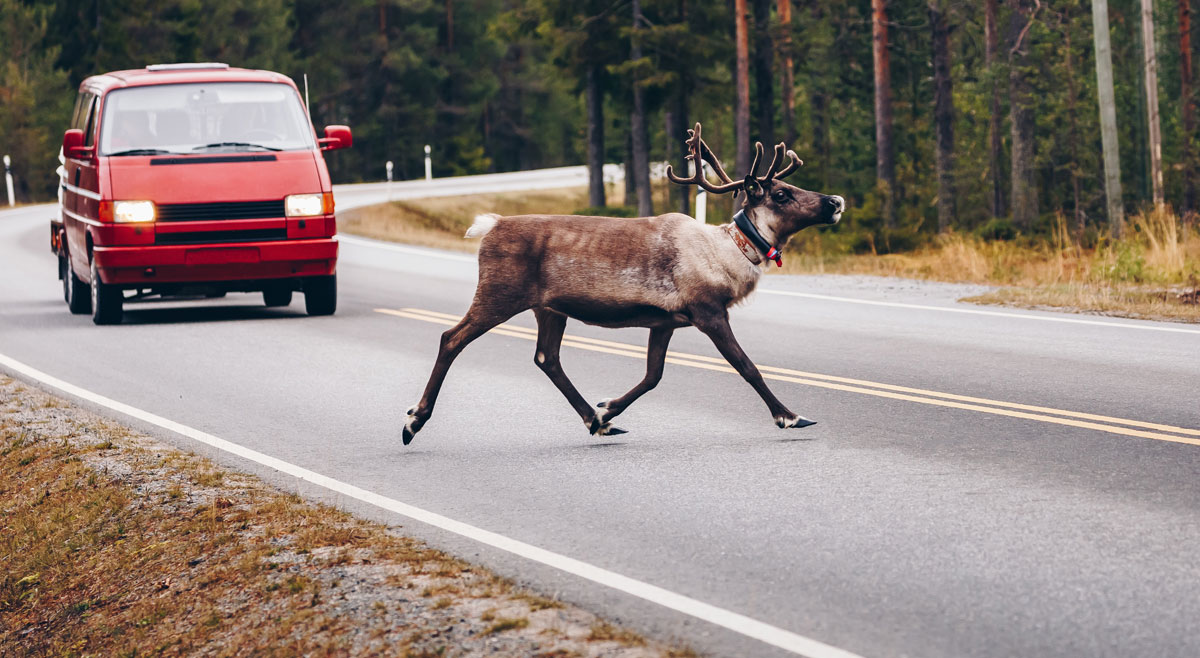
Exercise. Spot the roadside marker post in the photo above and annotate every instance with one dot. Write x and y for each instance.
(8, 182)
(701, 199)
(428, 164)
(388, 166)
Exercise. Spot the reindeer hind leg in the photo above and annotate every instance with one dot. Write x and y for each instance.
(480, 319)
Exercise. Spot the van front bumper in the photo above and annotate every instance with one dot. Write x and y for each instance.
(144, 266)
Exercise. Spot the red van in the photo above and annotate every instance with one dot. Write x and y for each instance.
(195, 179)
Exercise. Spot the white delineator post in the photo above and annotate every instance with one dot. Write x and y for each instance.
(8, 183)
(701, 198)
(388, 167)
(428, 164)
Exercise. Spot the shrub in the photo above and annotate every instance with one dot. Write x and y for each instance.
(607, 211)
(997, 228)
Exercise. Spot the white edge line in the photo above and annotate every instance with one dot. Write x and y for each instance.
(851, 300)
(1020, 316)
(733, 621)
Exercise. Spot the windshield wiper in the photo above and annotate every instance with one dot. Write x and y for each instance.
(140, 152)
(217, 145)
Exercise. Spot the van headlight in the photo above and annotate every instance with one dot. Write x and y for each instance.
(133, 211)
(304, 205)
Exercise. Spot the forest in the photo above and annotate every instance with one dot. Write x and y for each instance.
(927, 115)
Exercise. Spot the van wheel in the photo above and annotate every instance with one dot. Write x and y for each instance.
(277, 296)
(107, 300)
(79, 298)
(320, 295)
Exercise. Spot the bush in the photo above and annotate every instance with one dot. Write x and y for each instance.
(607, 211)
(997, 228)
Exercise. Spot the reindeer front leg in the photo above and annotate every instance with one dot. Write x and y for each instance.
(656, 355)
(715, 325)
(550, 332)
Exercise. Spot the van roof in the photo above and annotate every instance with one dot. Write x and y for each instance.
(179, 73)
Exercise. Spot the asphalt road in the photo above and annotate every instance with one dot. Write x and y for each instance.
(948, 503)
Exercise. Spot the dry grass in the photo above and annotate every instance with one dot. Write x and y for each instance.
(440, 222)
(1153, 273)
(113, 544)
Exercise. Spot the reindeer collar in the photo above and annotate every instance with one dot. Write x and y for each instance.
(753, 245)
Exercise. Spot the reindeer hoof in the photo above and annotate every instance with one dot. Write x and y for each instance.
(794, 423)
(409, 430)
(600, 428)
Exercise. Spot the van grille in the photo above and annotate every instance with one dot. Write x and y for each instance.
(192, 212)
(210, 237)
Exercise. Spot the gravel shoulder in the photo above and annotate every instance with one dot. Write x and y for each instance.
(113, 543)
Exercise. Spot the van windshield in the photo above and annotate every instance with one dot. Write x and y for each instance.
(204, 117)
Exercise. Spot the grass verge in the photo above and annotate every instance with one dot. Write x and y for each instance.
(114, 544)
(1154, 273)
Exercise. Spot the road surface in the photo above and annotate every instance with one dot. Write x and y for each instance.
(982, 482)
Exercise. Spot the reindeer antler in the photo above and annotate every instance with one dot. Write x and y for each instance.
(700, 151)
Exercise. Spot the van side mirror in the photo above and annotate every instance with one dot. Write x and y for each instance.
(73, 145)
(336, 137)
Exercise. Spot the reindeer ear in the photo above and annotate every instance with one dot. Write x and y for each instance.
(753, 189)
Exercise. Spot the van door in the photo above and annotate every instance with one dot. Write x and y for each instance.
(81, 198)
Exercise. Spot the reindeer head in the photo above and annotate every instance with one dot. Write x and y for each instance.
(778, 210)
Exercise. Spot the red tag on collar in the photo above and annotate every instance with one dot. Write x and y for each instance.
(774, 255)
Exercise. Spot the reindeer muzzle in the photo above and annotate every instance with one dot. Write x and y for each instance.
(832, 208)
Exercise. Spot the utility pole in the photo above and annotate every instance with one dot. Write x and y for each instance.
(1108, 118)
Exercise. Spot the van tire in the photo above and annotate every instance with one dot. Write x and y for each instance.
(277, 296)
(107, 300)
(62, 276)
(78, 297)
(320, 295)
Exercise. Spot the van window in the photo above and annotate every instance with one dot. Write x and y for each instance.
(75, 112)
(204, 117)
(89, 130)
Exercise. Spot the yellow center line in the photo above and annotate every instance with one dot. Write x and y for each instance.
(950, 400)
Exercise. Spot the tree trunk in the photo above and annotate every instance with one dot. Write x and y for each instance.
(637, 124)
(764, 74)
(885, 163)
(1108, 118)
(1024, 188)
(677, 139)
(630, 180)
(741, 112)
(1189, 122)
(787, 75)
(595, 138)
(450, 25)
(818, 99)
(943, 114)
(997, 149)
(1073, 137)
(1150, 64)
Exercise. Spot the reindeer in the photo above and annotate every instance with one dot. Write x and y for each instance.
(663, 272)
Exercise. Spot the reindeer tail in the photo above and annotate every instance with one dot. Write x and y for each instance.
(483, 224)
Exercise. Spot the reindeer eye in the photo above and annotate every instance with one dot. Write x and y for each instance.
(781, 196)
